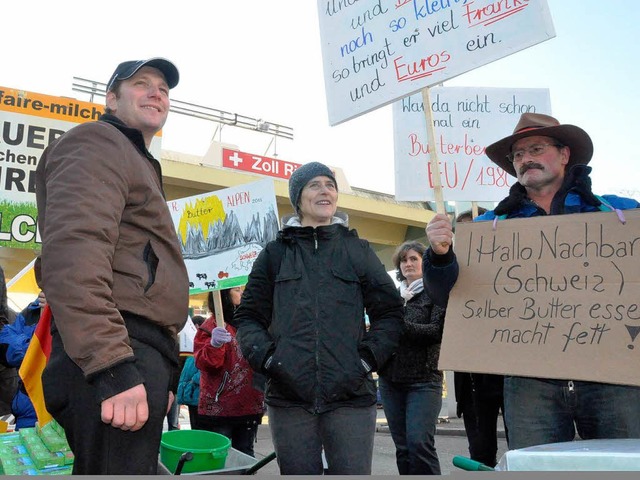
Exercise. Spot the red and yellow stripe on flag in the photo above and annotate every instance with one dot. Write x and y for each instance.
(33, 364)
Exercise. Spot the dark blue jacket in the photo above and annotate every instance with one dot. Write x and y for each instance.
(14, 341)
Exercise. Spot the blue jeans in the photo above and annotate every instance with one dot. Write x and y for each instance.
(412, 414)
(540, 411)
(346, 435)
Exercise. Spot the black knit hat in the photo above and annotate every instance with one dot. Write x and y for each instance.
(302, 176)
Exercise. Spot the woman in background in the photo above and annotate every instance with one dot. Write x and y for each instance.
(229, 404)
(411, 384)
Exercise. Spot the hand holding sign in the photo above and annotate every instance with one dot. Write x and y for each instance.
(440, 234)
(220, 336)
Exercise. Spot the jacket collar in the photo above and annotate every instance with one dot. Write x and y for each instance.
(293, 220)
(577, 182)
(133, 134)
(135, 137)
(292, 229)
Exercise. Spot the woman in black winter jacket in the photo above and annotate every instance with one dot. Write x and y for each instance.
(301, 323)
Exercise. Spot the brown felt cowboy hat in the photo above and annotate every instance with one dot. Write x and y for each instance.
(537, 124)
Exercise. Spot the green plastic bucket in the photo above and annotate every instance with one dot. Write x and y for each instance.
(209, 450)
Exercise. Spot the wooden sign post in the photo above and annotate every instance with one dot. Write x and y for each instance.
(433, 152)
(217, 306)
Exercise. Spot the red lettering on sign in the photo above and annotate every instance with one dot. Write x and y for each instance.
(423, 67)
(239, 198)
(493, 12)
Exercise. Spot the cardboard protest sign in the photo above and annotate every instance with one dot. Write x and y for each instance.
(375, 52)
(221, 233)
(466, 120)
(552, 296)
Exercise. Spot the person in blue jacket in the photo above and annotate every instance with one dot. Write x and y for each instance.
(14, 341)
(8, 375)
(189, 384)
(549, 160)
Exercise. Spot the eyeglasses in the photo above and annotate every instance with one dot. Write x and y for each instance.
(534, 150)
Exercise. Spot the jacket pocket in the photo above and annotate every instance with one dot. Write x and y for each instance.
(151, 261)
(223, 383)
(287, 378)
(347, 285)
(345, 274)
(286, 291)
(286, 275)
(345, 289)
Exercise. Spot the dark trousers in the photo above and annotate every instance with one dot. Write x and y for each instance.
(173, 417)
(241, 434)
(101, 449)
(480, 423)
(344, 434)
(193, 417)
(479, 404)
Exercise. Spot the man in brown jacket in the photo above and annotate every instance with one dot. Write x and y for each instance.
(114, 276)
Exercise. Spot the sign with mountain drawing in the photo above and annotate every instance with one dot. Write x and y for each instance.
(221, 233)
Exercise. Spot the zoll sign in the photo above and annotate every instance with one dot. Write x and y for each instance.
(249, 162)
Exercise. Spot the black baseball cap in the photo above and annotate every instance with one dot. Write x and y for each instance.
(128, 69)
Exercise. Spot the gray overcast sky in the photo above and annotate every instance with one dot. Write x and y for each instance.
(263, 59)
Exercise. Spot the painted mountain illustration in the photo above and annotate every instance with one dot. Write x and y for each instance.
(226, 233)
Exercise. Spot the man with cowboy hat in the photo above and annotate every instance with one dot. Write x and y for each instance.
(549, 160)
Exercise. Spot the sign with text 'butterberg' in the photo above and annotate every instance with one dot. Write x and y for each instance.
(552, 297)
(466, 120)
(377, 51)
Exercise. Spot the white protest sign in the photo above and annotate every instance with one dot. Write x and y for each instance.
(28, 123)
(466, 120)
(221, 233)
(377, 51)
(553, 296)
(187, 335)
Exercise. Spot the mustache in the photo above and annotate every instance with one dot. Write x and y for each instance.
(529, 166)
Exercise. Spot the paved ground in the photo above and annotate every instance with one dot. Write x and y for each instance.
(450, 441)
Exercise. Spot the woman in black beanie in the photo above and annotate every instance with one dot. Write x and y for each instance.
(301, 323)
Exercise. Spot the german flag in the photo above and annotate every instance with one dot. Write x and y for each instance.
(33, 364)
